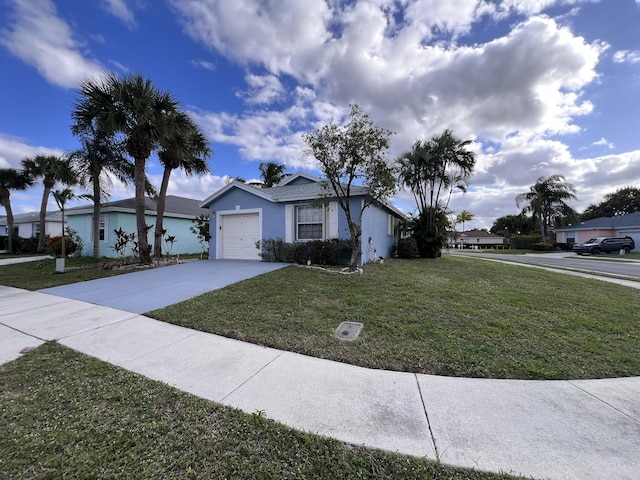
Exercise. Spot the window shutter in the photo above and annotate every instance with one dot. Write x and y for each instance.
(90, 227)
(333, 220)
(288, 223)
(106, 228)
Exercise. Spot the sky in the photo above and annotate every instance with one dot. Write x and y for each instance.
(542, 87)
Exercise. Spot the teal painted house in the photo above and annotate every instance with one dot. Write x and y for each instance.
(241, 214)
(178, 218)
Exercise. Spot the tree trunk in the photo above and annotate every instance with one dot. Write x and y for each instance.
(160, 204)
(43, 213)
(95, 222)
(63, 246)
(143, 243)
(6, 203)
(354, 232)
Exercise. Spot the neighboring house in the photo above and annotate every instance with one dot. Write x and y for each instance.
(476, 239)
(27, 225)
(178, 218)
(620, 226)
(241, 215)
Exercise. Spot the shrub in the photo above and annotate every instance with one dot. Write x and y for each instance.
(543, 247)
(25, 245)
(334, 251)
(3, 242)
(54, 246)
(525, 242)
(407, 248)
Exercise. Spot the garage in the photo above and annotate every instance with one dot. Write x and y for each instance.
(239, 234)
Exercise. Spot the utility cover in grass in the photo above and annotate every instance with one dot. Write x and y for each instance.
(349, 330)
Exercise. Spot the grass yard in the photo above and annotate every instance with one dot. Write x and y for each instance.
(42, 273)
(67, 415)
(456, 316)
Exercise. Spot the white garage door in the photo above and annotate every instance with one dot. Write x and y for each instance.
(240, 232)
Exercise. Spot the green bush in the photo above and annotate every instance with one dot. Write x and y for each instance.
(525, 242)
(3, 242)
(407, 248)
(25, 245)
(54, 246)
(335, 251)
(543, 247)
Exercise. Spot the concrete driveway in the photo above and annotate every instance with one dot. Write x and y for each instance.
(147, 290)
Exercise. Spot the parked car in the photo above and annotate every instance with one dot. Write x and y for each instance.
(605, 245)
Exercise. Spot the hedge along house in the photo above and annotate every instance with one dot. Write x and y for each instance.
(620, 226)
(178, 219)
(241, 215)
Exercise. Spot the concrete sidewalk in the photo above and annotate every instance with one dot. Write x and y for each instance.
(544, 429)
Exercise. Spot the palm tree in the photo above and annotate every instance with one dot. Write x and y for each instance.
(464, 216)
(432, 170)
(62, 197)
(272, 173)
(11, 179)
(546, 201)
(100, 155)
(51, 169)
(133, 107)
(184, 147)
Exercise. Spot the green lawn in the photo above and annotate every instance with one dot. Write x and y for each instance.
(67, 415)
(456, 316)
(42, 273)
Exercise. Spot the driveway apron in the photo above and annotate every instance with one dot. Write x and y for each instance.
(154, 288)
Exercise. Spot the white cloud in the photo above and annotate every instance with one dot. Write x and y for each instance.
(402, 63)
(603, 142)
(45, 41)
(626, 56)
(263, 89)
(13, 150)
(204, 64)
(119, 9)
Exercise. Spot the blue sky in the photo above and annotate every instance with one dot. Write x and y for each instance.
(542, 86)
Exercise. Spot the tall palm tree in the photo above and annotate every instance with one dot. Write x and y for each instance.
(11, 179)
(464, 216)
(100, 154)
(51, 169)
(184, 147)
(134, 108)
(432, 170)
(272, 173)
(546, 201)
(62, 197)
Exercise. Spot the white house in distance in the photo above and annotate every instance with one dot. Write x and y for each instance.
(27, 225)
(476, 239)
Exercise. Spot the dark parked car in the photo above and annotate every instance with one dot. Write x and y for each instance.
(605, 245)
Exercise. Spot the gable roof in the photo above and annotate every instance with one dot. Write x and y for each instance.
(290, 191)
(621, 221)
(180, 207)
(33, 217)
(479, 234)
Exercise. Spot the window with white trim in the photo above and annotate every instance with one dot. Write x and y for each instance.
(103, 225)
(309, 223)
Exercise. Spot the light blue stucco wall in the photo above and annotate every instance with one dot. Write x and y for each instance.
(375, 226)
(186, 241)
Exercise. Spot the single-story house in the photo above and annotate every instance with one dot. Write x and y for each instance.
(476, 239)
(178, 219)
(27, 225)
(620, 226)
(241, 215)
